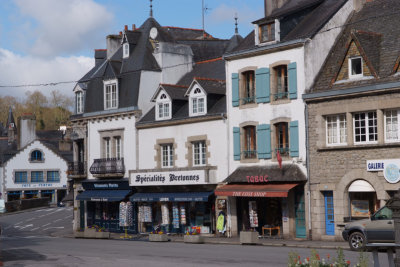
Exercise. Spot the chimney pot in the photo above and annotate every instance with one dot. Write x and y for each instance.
(126, 27)
(120, 33)
(133, 27)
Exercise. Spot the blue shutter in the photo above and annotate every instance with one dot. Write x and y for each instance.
(264, 141)
(292, 70)
(262, 85)
(294, 138)
(235, 89)
(236, 143)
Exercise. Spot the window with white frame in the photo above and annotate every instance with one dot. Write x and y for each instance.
(163, 107)
(365, 127)
(336, 130)
(355, 67)
(125, 50)
(197, 103)
(110, 95)
(392, 125)
(167, 155)
(199, 153)
(79, 102)
(118, 153)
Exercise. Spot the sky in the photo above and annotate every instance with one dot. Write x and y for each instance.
(52, 41)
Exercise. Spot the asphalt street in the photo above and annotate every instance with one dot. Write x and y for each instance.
(35, 238)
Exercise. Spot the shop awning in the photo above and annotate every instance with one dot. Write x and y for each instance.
(103, 195)
(361, 186)
(173, 197)
(269, 190)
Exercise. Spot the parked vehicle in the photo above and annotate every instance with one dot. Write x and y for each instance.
(377, 229)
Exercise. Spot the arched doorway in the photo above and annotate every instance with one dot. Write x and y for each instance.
(363, 200)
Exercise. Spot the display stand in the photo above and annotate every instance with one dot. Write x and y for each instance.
(126, 236)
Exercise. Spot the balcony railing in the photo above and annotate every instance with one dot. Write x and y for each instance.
(284, 151)
(248, 100)
(249, 154)
(77, 168)
(281, 95)
(108, 167)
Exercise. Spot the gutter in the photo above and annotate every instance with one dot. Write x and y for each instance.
(265, 49)
(355, 90)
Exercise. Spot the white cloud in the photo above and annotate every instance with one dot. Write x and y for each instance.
(22, 70)
(64, 26)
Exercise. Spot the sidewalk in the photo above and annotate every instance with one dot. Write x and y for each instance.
(262, 241)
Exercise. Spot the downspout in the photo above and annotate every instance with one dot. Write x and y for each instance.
(228, 206)
(308, 174)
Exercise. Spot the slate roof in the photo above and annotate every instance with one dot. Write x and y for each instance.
(288, 173)
(51, 138)
(176, 92)
(299, 19)
(376, 30)
(7, 151)
(213, 69)
(212, 86)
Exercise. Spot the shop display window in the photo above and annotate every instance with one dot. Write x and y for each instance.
(363, 204)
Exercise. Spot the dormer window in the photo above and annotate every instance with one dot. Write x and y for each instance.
(125, 50)
(197, 102)
(110, 94)
(79, 102)
(267, 32)
(163, 107)
(36, 156)
(355, 67)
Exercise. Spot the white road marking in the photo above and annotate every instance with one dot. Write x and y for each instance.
(18, 223)
(60, 227)
(26, 226)
(31, 219)
(45, 224)
(57, 220)
(34, 229)
(68, 216)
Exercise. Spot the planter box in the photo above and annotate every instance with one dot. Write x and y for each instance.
(248, 237)
(195, 239)
(158, 238)
(79, 234)
(91, 233)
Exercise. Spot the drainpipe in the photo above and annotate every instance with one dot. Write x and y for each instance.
(308, 174)
(228, 200)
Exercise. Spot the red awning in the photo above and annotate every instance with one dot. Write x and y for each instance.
(247, 190)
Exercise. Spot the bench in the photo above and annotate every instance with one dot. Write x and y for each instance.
(389, 247)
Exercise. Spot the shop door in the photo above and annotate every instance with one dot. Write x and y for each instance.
(300, 216)
(329, 213)
(82, 214)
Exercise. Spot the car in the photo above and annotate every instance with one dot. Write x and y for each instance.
(379, 228)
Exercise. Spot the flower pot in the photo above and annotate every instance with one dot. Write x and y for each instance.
(248, 237)
(158, 238)
(195, 239)
(79, 234)
(92, 233)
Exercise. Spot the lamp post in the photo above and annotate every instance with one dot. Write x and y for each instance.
(394, 205)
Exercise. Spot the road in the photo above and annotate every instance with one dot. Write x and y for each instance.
(34, 238)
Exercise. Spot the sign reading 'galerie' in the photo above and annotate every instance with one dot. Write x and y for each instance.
(168, 178)
(390, 168)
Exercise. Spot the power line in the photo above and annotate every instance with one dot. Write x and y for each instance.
(396, 12)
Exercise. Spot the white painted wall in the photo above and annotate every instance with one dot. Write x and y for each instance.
(317, 49)
(216, 132)
(265, 112)
(21, 162)
(128, 144)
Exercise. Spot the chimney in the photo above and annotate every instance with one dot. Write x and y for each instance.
(271, 5)
(99, 55)
(133, 27)
(126, 27)
(113, 43)
(11, 127)
(27, 130)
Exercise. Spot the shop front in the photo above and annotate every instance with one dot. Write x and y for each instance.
(173, 202)
(267, 200)
(100, 204)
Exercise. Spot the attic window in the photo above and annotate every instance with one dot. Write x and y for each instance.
(267, 32)
(126, 50)
(197, 103)
(163, 108)
(355, 67)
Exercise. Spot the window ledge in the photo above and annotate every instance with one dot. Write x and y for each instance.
(251, 105)
(355, 147)
(280, 101)
(256, 160)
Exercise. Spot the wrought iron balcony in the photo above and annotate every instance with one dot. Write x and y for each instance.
(249, 154)
(284, 151)
(248, 100)
(112, 167)
(77, 169)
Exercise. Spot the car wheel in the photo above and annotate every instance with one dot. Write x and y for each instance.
(356, 241)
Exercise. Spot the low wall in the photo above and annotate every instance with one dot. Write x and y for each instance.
(24, 204)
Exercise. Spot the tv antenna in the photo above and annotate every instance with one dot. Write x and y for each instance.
(204, 9)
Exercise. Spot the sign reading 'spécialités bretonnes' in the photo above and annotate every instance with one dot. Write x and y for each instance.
(168, 178)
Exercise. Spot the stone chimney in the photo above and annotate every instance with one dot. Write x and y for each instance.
(99, 55)
(27, 130)
(271, 5)
(113, 43)
(11, 127)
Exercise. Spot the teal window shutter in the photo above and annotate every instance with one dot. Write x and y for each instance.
(294, 138)
(264, 141)
(262, 85)
(235, 89)
(292, 73)
(236, 143)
